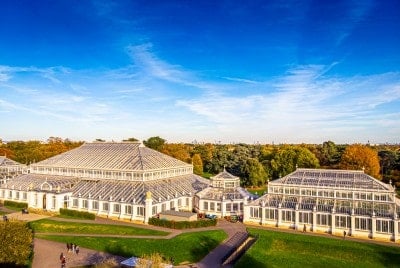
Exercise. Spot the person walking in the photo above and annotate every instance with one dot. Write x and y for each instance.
(76, 249)
(62, 260)
(304, 228)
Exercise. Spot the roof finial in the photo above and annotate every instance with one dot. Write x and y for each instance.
(224, 169)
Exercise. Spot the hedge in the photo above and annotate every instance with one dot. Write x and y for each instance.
(182, 224)
(15, 204)
(77, 214)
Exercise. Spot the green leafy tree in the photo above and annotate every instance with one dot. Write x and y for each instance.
(131, 139)
(329, 155)
(206, 152)
(288, 157)
(155, 143)
(16, 241)
(358, 157)
(197, 164)
(254, 173)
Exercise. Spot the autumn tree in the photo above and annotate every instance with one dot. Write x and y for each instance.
(16, 243)
(6, 152)
(197, 164)
(177, 150)
(358, 157)
(155, 143)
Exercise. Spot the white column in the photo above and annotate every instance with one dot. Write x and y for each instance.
(314, 219)
(296, 217)
(279, 215)
(148, 207)
(373, 227)
(352, 222)
(262, 214)
(333, 227)
(110, 208)
(223, 207)
(396, 228)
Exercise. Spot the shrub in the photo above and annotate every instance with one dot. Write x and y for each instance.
(182, 224)
(15, 204)
(77, 214)
(16, 243)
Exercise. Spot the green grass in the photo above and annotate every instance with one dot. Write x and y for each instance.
(52, 226)
(277, 249)
(257, 190)
(207, 175)
(187, 247)
(14, 209)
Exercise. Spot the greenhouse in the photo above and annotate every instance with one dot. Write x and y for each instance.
(117, 180)
(330, 201)
(224, 197)
(10, 169)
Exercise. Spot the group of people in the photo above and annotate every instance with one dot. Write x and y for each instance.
(71, 247)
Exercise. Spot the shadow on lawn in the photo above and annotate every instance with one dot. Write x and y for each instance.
(204, 247)
(390, 259)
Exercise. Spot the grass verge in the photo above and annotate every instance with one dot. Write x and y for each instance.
(277, 249)
(52, 226)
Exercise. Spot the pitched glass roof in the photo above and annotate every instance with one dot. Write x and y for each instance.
(332, 179)
(4, 161)
(126, 156)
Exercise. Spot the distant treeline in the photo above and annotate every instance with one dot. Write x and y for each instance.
(255, 164)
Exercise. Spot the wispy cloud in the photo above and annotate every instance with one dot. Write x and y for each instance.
(304, 104)
(235, 79)
(307, 102)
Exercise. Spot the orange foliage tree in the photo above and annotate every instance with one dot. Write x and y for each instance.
(358, 156)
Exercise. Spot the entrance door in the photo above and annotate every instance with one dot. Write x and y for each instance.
(44, 201)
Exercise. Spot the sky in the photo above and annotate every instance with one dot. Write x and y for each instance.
(225, 71)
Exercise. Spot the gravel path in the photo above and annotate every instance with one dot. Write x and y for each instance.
(47, 255)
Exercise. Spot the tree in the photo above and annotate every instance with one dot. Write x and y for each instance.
(254, 173)
(329, 154)
(131, 139)
(177, 150)
(206, 152)
(155, 143)
(16, 243)
(357, 157)
(197, 164)
(286, 159)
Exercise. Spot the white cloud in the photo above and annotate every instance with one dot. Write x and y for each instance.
(303, 105)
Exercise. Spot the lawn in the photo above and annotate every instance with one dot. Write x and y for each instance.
(184, 248)
(257, 190)
(277, 249)
(52, 226)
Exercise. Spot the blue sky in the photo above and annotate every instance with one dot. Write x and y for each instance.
(210, 71)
